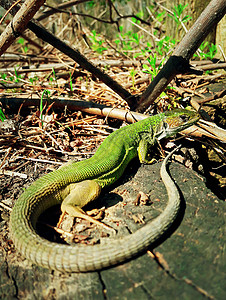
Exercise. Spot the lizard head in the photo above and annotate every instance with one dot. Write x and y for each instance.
(175, 121)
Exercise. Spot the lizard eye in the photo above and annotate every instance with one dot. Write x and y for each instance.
(165, 125)
(184, 118)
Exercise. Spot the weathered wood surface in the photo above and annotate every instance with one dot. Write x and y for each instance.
(190, 264)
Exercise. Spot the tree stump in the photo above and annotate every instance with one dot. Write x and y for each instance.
(189, 264)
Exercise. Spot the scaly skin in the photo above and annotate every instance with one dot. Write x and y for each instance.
(104, 168)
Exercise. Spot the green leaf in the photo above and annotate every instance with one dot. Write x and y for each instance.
(2, 116)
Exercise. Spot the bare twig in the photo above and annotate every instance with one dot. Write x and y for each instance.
(214, 97)
(5, 206)
(213, 129)
(19, 23)
(97, 63)
(40, 160)
(60, 8)
(8, 10)
(11, 173)
(73, 104)
(63, 5)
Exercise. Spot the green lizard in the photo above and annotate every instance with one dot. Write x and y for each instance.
(78, 183)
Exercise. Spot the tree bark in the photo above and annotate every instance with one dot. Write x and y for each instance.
(220, 38)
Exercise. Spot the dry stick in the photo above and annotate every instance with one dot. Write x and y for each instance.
(72, 104)
(213, 66)
(197, 104)
(179, 61)
(29, 58)
(220, 94)
(205, 78)
(60, 8)
(63, 5)
(19, 23)
(3, 18)
(91, 108)
(48, 37)
(69, 64)
(213, 129)
(203, 65)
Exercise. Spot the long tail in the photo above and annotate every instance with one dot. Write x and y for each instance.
(82, 258)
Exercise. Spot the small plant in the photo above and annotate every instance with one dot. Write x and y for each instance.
(90, 4)
(132, 74)
(165, 45)
(124, 40)
(178, 18)
(97, 43)
(153, 69)
(140, 15)
(160, 16)
(177, 14)
(6, 78)
(128, 41)
(2, 116)
(204, 53)
(18, 77)
(34, 79)
(71, 85)
(54, 78)
(41, 108)
(23, 47)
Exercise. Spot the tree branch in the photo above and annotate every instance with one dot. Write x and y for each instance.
(19, 23)
(179, 61)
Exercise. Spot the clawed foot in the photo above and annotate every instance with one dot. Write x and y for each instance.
(79, 195)
(77, 212)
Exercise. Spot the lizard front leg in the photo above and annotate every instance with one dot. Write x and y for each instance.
(80, 194)
(144, 145)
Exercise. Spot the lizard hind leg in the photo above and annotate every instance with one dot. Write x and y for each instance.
(80, 194)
